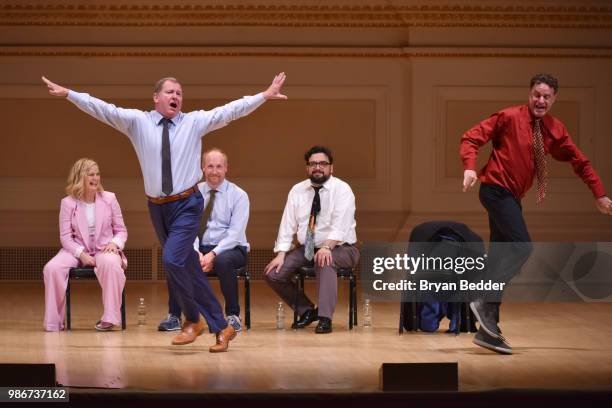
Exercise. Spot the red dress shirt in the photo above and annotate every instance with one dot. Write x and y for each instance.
(511, 164)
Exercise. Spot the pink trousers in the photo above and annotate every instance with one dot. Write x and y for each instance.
(110, 276)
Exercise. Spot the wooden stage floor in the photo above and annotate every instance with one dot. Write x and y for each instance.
(557, 346)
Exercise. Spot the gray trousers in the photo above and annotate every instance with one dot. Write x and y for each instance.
(343, 256)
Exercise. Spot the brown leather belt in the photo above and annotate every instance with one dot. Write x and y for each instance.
(176, 197)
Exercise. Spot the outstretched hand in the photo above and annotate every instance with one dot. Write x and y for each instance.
(273, 91)
(604, 205)
(55, 89)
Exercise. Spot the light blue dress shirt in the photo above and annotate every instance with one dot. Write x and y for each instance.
(228, 220)
(145, 132)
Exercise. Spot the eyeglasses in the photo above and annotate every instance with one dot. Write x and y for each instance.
(322, 164)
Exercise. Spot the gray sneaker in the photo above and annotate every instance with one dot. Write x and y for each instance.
(483, 339)
(234, 321)
(170, 323)
(485, 313)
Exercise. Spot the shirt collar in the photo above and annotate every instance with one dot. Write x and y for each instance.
(221, 187)
(157, 117)
(529, 118)
(325, 186)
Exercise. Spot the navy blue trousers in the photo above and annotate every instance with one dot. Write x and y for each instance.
(507, 226)
(225, 265)
(176, 224)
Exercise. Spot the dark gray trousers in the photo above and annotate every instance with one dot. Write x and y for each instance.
(343, 256)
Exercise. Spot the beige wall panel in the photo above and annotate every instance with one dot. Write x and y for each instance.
(462, 115)
(44, 132)
(452, 94)
(271, 143)
(354, 105)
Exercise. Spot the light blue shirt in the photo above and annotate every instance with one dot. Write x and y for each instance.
(226, 227)
(145, 132)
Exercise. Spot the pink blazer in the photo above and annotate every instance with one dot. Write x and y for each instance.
(74, 232)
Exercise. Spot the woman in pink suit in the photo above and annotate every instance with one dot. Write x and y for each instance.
(92, 233)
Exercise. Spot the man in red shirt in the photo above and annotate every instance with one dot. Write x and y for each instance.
(521, 138)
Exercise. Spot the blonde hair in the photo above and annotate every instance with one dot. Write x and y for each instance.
(160, 84)
(76, 178)
(214, 150)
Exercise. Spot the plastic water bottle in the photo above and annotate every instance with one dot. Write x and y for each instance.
(142, 312)
(280, 316)
(367, 314)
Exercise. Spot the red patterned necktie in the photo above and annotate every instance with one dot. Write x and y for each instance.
(539, 156)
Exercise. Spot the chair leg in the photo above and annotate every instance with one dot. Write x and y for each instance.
(247, 301)
(123, 323)
(401, 319)
(68, 305)
(354, 294)
(298, 286)
(351, 301)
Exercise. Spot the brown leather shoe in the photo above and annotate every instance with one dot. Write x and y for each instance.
(189, 332)
(223, 339)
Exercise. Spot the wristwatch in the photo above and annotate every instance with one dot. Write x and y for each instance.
(326, 247)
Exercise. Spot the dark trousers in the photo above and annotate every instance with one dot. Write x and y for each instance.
(225, 265)
(176, 224)
(343, 256)
(507, 225)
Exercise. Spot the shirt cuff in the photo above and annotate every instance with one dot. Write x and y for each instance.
(78, 252)
(75, 97)
(469, 164)
(259, 98)
(282, 247)
(598, 191)
(120, 243)
(336, 236)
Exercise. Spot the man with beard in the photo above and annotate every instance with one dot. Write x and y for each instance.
(221, 243)
(321, 212)
(521, 138)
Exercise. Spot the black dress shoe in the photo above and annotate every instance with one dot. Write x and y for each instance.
(308, 317)
(324, 326)
(485, 313)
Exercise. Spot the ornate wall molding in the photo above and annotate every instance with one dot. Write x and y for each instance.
(348, 15)
(269, 52)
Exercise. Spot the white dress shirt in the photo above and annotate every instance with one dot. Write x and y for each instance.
(336, 220)
(226, 227)
(145, 132)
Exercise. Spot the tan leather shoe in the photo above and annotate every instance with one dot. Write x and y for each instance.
(189, 332)
(223, 339)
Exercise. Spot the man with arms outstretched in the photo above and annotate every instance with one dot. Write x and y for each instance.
(168, 145)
